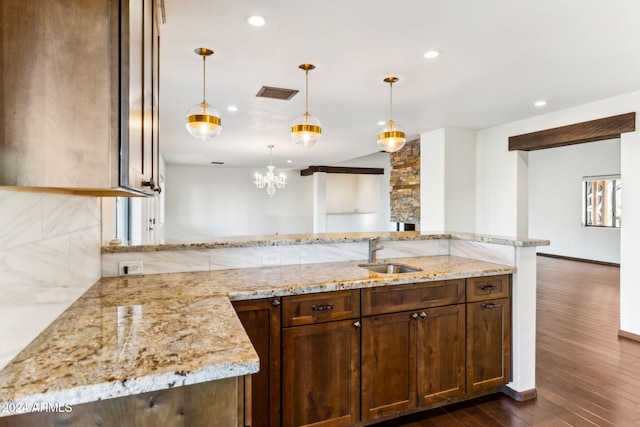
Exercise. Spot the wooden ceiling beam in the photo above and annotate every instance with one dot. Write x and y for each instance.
(341, 169)
(593, 130)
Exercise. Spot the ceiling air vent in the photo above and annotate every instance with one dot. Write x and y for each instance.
(276, 93)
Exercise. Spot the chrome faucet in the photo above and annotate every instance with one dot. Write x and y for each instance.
(373, 248)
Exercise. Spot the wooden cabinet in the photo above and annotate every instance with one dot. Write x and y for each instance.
(388, 364)
(357, 357)
(488, 334)
(261, 321)
(197, 405)
(441, 355)
(321, 361)
(79, 106)
(412, 359)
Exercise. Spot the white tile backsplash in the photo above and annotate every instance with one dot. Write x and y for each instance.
(20, 218)
(49, 256)
(489, 252)
(333, 252)
(63, 214)
(411, 248)
(158, 262)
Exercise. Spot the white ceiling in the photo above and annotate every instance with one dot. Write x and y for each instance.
(498, 58)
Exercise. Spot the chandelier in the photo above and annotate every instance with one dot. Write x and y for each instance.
(203, 121)
(391, 137)
(270, 180)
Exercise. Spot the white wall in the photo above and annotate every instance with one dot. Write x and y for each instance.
(49, 256)
(500, 173)
(555, 199)
(447, 180)
(630, 231)
(203, 201)
(209, 201)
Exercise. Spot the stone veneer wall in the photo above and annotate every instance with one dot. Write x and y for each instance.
(405, 184)
(49, 256)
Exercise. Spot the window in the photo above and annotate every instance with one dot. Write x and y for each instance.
(601, 201)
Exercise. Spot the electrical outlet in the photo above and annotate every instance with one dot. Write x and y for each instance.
(127, 268)
(271, 259)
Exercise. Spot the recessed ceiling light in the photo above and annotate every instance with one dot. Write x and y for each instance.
(431, 54)
(289, 161)
(232, 108)
(540, 103)
(256, 21)
(382, 123)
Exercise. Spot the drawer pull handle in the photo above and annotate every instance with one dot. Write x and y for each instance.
(357, 324)
(322, 307)
(489, 288)
(414, 316)
(275, 302)
(490, 306)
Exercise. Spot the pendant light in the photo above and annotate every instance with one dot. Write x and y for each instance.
(391, 137)
(306, 130)
(203, 121)
(270, 180)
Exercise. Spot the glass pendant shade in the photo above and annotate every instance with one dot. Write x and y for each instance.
(391, 137)
(203, 121)
(306, 130)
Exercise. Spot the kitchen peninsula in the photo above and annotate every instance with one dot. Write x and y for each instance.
(136, 335)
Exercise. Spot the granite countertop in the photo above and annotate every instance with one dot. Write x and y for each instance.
(135, 334)
(308, 239)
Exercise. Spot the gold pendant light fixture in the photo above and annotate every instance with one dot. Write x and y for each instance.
(203, 121)
(306, 130)
(391, 137)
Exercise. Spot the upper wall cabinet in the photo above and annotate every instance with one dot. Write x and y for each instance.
(80, 95)
(353, 193)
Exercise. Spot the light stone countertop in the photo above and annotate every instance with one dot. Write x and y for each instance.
(309, 239)
(135, 334)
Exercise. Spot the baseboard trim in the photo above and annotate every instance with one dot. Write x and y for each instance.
(520, 396)
(569, 258)
(628, 335)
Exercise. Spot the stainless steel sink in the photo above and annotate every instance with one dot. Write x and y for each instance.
(390, 268)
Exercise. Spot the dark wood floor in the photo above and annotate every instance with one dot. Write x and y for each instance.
(585, 374)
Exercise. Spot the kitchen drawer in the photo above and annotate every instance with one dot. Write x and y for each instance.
(390, 299)
(488, 287)
(320, 307)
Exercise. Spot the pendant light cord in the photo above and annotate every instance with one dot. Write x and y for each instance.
(204, 79)
(306, 100)
(390, 101)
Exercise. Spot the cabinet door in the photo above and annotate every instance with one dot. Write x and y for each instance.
(488, 344)
(388, 364)
(441, 354)
(320, 374)
(261, 321)
(136, 92)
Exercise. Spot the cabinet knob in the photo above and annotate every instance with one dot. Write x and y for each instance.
(275, 302)
(357, 324)
(414, 316)
(423, 314)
